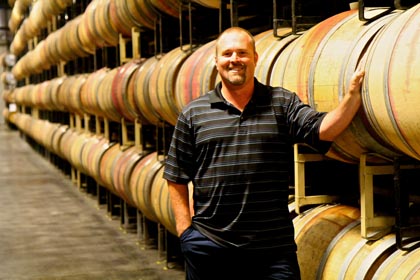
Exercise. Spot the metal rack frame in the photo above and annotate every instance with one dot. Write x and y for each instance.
(301, 199)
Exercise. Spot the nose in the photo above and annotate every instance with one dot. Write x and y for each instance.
(234, 56)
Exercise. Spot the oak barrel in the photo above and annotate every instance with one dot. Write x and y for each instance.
(391, 100)
(318, 66)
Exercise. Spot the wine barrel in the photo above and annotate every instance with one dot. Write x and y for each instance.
(48, 133)
(401, 264)
(162, 83)
(61, 46)
(119, 19)
(213, 4)
(32, 127)
(21, 120)
(37, 127)
(123, 91)
(141, 181)
(47, 98)
(9, 96)
(391, 84)
(141, 90)
(92, 153)
(50, 52)
(89, 92)
(72, 87)
(98, 29)
(36, 96)
(314, 231)
(196, 76)
(330, 246)
(169, 7)
(90, 24)
(96, 156)
(19, 43)
(33, 24)
(161, 203)
(350, 256)
(51, 8)
(269, 48)
(128, 14)
(142, 13)
(22, 95)
(318, 67)
(76, 150)
(86, 152)
(56, 140)
(85, 34)
(15, 18)
(31, 95)
(104, 97)
(105, 166)
(29, 63)
(40, 55)
(42, 96)
(103, 27)
(66, 143)
(70, 42)
(122, 169)
(17, 95)
(54, 89)
(18, 70)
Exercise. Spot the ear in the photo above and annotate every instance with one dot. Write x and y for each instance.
(255, 58)
(215, 62)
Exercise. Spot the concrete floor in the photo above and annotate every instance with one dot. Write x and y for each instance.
(49, 229)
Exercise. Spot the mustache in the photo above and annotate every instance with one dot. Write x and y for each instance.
(236, 64)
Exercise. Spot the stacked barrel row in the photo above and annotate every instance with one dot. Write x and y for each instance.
(18, 13)
(99, 26)
(42, 11)
(128, 172)
(321, 72)
(317, 65)
(330, 247)
(140, 89)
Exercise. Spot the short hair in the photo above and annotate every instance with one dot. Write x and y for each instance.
(236, 29)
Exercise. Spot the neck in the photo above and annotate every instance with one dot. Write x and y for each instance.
(238, 97)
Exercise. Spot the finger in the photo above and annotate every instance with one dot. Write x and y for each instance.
(360, 76)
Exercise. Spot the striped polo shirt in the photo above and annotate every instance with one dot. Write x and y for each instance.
(239, 164)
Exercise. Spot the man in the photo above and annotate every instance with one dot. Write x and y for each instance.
(233, 144)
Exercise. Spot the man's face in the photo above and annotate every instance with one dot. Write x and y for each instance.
(235, 58)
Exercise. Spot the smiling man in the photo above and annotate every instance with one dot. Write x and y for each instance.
(233, 144)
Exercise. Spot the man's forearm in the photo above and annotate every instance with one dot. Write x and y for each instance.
(179, 197)
(336, 121)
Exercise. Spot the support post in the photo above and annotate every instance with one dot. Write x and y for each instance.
(300, 196)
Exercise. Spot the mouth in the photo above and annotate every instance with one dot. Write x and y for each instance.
(236, 69)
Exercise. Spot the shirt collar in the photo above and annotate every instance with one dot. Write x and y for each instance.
(260, 90)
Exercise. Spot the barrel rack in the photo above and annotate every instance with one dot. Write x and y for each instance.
(397, 5)
(303, 154)
(373, 225)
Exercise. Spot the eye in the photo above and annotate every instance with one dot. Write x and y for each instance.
(227, 54)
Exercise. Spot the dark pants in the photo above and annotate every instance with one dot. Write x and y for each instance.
(205, 259)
